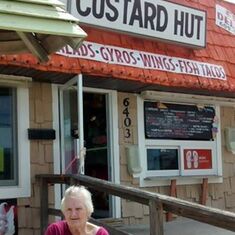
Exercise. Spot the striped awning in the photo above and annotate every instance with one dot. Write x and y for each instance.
(40, 27)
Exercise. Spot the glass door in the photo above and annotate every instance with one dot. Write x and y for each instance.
(72, 141)
(97, 146)
(85, 145)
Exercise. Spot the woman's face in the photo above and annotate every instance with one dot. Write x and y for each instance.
(75, 212)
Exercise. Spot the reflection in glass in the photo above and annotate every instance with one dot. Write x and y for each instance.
(8, 127)
(162, 159)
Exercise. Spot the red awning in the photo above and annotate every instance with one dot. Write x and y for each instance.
(220, 50)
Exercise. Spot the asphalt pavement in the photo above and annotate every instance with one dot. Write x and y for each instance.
(180, 226)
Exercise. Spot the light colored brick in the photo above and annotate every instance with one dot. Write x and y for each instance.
(164, 190)
(138, 210)
(196, 192)
(132, 220)
(125, 176)
(123, 133)
(146, 210)
(181, 191)
(47, 125)
(230, 201)
(135, 135)
(47, 111)
(122, 154)
(34, 125)
(35, 90)
(36, 218)
(21, 210)
(136, 182)
(219, 203)
(48, 153)
(37, 232)
(228, 170)
(46, 92)
(130, 139)
(232, 180)
(228, 157)
(25, 231)
(227, 119)
(28, 217)
(132, 107)
(32, 110)
(121, 136)
(145, 220)
(209, 201)
(35, 198)
(227, 186)
(127, 208)
(39, 115)
(188, 191)
(125, 220)
(23, 201)
(132, 115)
(39, 169)
(232, 210)
(219, 191)
(41, 153)
(34, 149)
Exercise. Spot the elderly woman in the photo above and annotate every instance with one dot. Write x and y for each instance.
(77, 208)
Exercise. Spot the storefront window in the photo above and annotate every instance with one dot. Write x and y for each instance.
(8, 133)
(178, 140)
(14, 143)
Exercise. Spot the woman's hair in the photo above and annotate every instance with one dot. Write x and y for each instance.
(75, 191)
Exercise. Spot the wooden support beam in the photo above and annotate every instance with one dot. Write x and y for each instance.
(34, 46)
(204, 191)
(156, 217)
(173, 193)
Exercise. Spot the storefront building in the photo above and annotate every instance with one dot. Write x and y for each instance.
(147, 100)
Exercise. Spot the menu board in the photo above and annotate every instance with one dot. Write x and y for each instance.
(178, 121)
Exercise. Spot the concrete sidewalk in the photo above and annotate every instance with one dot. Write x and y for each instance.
(180, 226)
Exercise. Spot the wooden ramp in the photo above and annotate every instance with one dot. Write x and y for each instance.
(157, 203)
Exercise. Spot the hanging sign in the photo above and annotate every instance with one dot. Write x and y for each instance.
(144, 60)
(197, 159)
(225, 19)
(149, 18)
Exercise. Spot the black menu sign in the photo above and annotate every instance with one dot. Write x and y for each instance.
(177, 121)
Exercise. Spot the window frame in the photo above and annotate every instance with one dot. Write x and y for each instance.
(22, 189)
(185, 176)
(150, 173)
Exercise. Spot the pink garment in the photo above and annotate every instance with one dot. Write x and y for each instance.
(61, 228)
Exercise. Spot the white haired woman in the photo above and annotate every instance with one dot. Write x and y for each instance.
(77, 208)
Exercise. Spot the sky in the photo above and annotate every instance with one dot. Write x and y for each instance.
(232, 1)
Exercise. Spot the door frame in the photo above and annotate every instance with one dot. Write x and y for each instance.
(112, 108)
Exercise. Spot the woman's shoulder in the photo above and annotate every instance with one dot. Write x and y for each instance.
(102, 231)
(97, 230)
(57, 228)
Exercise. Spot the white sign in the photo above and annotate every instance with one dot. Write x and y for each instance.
(150, 18)
(225, 19)
(145, 60)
